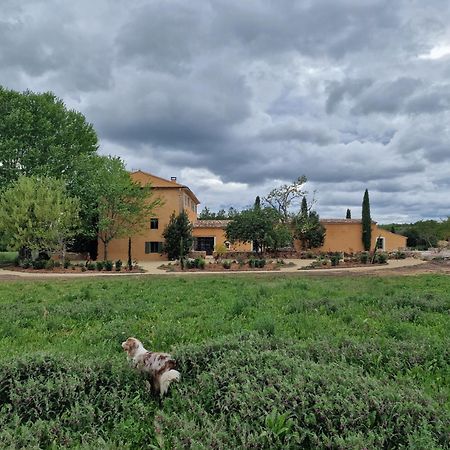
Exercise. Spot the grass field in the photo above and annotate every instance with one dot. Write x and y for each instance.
(266, 362)
(7, 258)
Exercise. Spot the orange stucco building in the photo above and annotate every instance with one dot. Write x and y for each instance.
(341, 234)
(344, 235)
(147, 244)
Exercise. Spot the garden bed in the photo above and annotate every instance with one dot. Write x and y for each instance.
(52, 266)
(342, 265)
(223, 266)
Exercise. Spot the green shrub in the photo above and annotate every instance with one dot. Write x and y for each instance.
(99, 265)
(118, 265)
(91, 266)
(57, 264)
(226, 264)
(255, 392)
(335, 259)
(25, 263)
(200, 263)
(52, 402)
(256, 263)
(108, 265)
(67, 264)
(50, 264)
(39, 264)
(364, 257)
(381, 258)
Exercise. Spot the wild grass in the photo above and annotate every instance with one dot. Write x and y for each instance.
(289, 362)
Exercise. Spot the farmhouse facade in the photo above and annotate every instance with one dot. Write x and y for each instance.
(341, 234)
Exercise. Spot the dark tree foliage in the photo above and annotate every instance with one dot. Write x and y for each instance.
(366, 222)
(207, 214)
(40, 136)
(304, 207)
(349, 214)
(258, 226)
(178, 236)
(308, 230)
(257, 204)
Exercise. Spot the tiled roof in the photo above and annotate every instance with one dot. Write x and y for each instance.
(211, 223)
(342, 221)
(224, 223)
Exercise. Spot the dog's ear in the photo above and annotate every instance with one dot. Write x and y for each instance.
(130, 344)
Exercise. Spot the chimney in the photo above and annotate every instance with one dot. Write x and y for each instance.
(173, 178)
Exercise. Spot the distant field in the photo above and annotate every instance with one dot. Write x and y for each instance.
(7, 257)
(267, 362)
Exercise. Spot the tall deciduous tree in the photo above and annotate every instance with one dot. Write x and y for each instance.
(123, 205)
(178, 236)
(281, 199)
(40, 136)
(37, 214)
(366, 222)
(254, 225)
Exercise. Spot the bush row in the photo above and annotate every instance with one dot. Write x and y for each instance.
(256, 392)
(50, 264)
(245, 391)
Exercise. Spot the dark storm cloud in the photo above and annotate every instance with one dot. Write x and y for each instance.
(386, 97)
(294, 132)
(251, 94)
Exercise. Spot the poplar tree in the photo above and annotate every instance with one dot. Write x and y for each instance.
(366, 222)
(349, 214)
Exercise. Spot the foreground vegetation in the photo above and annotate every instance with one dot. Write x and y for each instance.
(267, 362)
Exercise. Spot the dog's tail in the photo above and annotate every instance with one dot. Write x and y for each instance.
(166, 379)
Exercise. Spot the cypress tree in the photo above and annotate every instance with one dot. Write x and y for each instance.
(349, 214)
(304, 208)
(257, 204)
(366, 222)
(178, 236)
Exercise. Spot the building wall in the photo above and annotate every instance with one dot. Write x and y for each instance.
(339, 236)
(347, 237)
(174, 198)
(220, 238)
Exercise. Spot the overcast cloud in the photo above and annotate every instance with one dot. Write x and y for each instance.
(236, 97)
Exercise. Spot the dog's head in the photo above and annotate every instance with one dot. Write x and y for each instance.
(131, 345)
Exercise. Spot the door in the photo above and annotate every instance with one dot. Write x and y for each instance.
(205, 244)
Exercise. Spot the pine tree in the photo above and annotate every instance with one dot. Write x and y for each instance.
(366, 222)
(349, 214)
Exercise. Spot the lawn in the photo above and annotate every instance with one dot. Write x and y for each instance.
(7, 258)
(268, 361)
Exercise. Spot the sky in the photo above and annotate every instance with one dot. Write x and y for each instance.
(237, 97)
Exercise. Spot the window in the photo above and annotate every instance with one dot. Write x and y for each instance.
(380, 243)
(154, 224)
(153, 247)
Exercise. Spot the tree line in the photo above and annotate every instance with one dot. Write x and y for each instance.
(422, 234)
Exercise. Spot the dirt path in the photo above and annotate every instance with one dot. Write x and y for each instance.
(404, 267)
